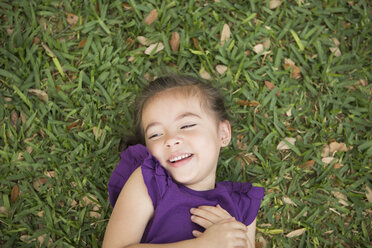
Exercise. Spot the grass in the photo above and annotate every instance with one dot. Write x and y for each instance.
(69, 71)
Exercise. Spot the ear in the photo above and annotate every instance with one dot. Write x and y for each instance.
(225, 133)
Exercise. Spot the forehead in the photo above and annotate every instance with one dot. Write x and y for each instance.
(173, 102)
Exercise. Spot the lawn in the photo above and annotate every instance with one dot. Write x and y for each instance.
(295, 75)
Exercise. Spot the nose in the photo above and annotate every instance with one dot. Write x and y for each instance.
(172, 141)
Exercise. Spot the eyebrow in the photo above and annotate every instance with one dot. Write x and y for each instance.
(181, 116)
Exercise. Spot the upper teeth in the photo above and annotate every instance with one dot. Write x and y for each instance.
(180, 157)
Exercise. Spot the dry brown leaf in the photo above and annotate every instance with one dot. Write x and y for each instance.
(42, 238)
(97, 132)
(38, 182)
(225, 34)
(159, 46)
(327, 160)
(3, 210)
(288, 200)
(351, 3)
(14, 194)
(143, 40)
(9, 31)
(296, 233)
(336, 51)
(369, 193)
(82, 43)
(23, 118)
(89, 199)
(95, 213)
(266, 44)
(204, 74)
(126, 6)
(73, 203)
(248, 103)
(338, 166)
(221, 69)
(336, 41)
(42, 95)
(36, 40)
(72, 19)
(325, 151)
(195, 42)
(337, 147)
(274, 4)
(40, 214)
(308, 165)
(340, 197)
(26, 239)
(14, 118)
(151, 17)
(175, 41)
(283, 146)
(289, 112)
(269, 85)
(258, 48)
(29, 149)
(72, 125)
(50, 174)
(289, 64)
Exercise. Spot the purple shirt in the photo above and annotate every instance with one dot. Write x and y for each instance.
(172, 202)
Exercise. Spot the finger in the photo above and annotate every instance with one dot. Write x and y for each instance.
(215, 210)
(201, 221)
(196, 233)
(203, 213)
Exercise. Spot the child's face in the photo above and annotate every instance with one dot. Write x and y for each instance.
(185, 138)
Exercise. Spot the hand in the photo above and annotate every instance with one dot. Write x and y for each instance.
(206, 216)
(227, 233)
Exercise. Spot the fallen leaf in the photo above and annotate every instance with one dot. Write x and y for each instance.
(88, 200)
(36, 40)
(29, 149)
(338, 166)
(97, 132)
(175, 41)
(289, 112)
(225, 34)
(369, 193)
(248, 103)
(269, 85)
(72, 19)
(308, 165)
(336, 41)
(274, 4)
(258, 48)
(337, 147)
(126, 6)
(95, 213)
(143, 40)
(325, 151)
(288, 200)
(283, 146)
(82, 43)
(340, 197)
(27, 239)
(43, 22)
(351, 3)
(72, 125)
(195, 42)
(23, 118)
(221, 69)
(327, 160)
(289, 64)
(42, 238)
(151, 17)
(42, 95)
(266, 44)
(9, 31)
(40, 214)
(204, 74)
(14, 194)
(3, 210)
(38, 182)
(336, 51)
(14, 118)
(296, 233)
(159, 46)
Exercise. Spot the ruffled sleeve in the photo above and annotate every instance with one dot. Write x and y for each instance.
(248, 199)
(154, 175)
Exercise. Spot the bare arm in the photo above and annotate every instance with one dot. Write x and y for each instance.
(132, 211)
(251, 234)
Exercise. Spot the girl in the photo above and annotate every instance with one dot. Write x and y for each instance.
(165, 194)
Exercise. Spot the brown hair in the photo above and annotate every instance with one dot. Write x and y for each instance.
(210, 97)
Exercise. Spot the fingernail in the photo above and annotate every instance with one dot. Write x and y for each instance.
(192, 210)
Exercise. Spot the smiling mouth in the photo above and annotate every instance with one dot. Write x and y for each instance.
(180, 158)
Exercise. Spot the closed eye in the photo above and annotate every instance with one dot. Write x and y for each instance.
(188, 126)
(154, 136)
